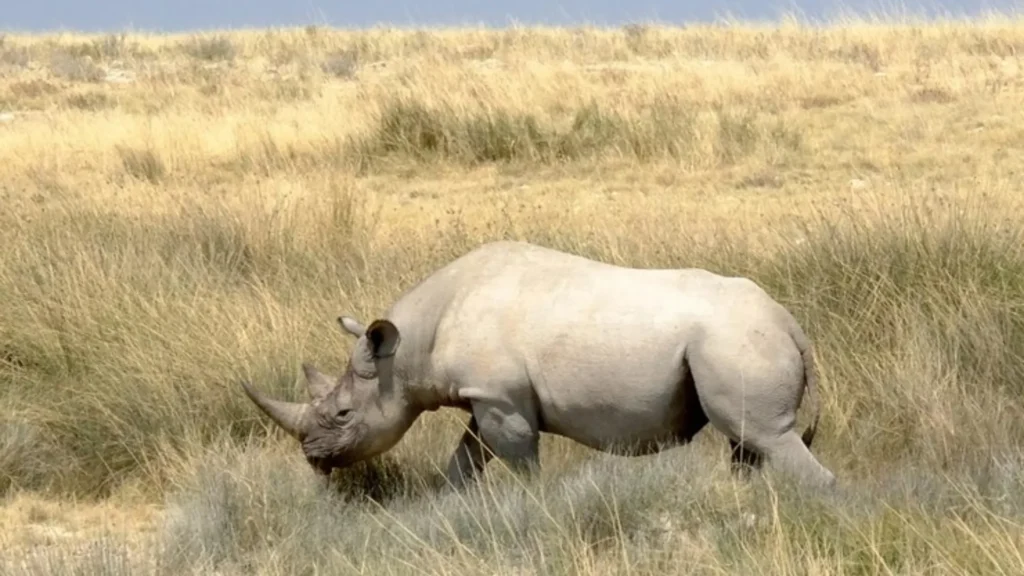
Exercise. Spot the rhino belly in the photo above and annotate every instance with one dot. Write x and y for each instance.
(631, 417)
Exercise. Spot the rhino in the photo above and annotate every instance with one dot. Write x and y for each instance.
(528, 339)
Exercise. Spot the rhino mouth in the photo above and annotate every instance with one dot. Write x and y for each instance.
(326, 464)
(335, 448)
(320, 465)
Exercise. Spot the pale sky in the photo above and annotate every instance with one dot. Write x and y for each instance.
(179, 15)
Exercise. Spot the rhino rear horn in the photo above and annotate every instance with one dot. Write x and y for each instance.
(319, 384)
(292, 417)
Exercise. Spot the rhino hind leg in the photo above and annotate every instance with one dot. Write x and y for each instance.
(789, 453)
(694, 418)
(753, 399)
(785, 452)
(743, 459)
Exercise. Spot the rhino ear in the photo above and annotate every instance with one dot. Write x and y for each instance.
(352, 326)
(382, 338)
(319, 383)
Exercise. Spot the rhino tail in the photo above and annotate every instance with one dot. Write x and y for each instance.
(811, 382)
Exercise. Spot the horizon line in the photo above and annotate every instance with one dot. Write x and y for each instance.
(840, 18)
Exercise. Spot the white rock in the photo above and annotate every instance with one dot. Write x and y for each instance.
(858, 184)
(117, 76)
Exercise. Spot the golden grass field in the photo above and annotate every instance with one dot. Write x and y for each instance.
(181, 212)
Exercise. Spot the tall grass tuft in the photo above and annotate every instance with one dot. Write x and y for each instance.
(667, 128)
(917, 322)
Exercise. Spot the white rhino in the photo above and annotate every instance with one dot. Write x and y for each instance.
(528, 340)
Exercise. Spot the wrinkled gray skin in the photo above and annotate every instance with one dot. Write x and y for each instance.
(529, 340)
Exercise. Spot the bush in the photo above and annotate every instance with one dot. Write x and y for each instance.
(666, 129)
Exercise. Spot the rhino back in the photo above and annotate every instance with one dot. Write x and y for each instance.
(600, 347)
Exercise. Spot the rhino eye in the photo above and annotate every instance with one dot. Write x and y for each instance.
(343, 413)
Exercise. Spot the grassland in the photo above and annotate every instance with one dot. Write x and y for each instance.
(181, 212)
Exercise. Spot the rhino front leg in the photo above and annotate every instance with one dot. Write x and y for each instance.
(509, 428)
(469, 458)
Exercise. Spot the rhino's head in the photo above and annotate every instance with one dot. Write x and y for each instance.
(353, 417)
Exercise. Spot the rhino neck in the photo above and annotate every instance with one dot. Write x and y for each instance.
(418, 313)
(420, 391)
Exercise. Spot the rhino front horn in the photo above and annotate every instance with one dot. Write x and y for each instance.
(292, 417)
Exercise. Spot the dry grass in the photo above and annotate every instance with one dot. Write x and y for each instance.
(181, 212)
